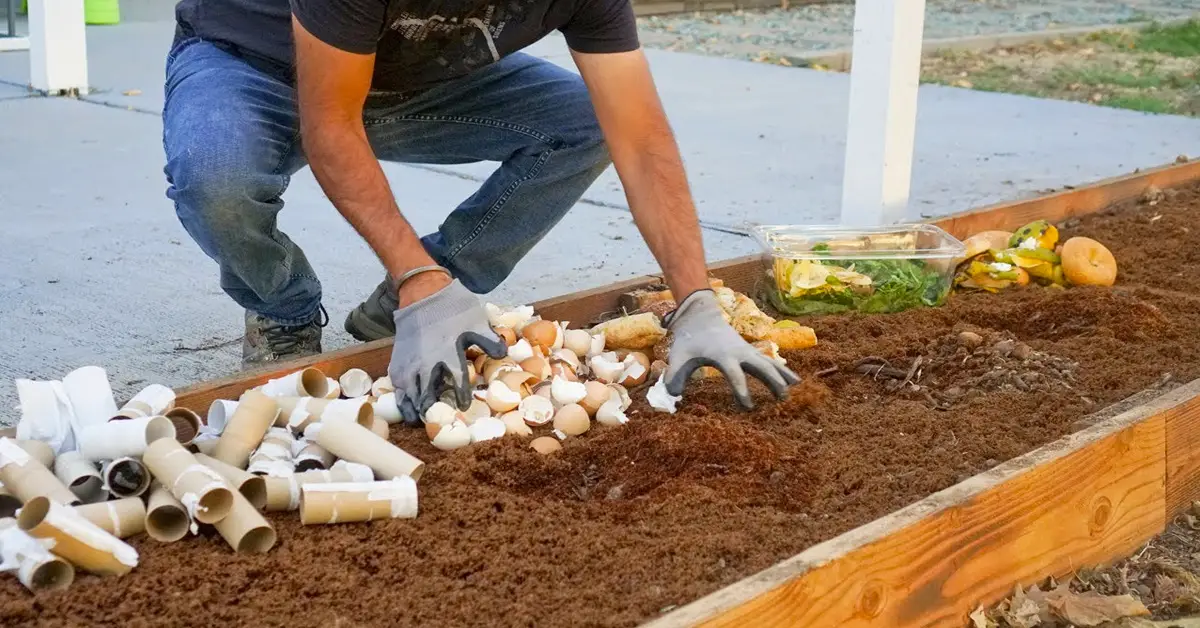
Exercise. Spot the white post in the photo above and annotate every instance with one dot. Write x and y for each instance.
(884, 75)
(57, 47)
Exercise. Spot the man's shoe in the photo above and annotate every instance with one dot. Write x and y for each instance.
(374, 318)
(269, 341)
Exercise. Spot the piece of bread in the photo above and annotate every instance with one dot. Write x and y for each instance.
(639, 332)
(791, 338)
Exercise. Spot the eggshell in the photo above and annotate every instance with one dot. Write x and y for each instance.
(538, 367)
(506, 334)
(519, 381)
(597, 394)
(448, 437)
(382, 386)
(515, 424)
(501, 398)
(606, 369)
(542, 389)
(442, 413)
(565, 356)
(611, 414)
(487, 428)
(541, 334)
(564, 371)
(508, 316)
(521, 351)
(577, 341)
(637, 366)
(622, 394)
(545, 445)
(495, 368)
(572, 420)
(564, 392)
(478, 410)
(536, 410)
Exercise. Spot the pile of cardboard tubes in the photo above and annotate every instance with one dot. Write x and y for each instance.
(151, 467)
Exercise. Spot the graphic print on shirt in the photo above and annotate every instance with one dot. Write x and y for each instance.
(453, 37)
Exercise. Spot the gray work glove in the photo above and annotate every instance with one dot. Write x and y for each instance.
(432, 337)
(703, 338)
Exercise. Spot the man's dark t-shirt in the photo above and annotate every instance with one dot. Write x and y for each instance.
(417, 43)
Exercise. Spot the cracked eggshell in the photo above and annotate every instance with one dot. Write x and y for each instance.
(501, 398)
(487, 428)
(536, 410)
(478, 410)
(597, 347)
(495, 368)
(657, 369)
(621, 394)
(506, 334)
(512, 317)
(611, 413)
(572, 420)
(577, 341)
(519, 381)
(565, 356)
(564, 371)
(542, 334)
(597, 394)
(382, 386)
(442, 413)
(637, 366)
(538, 367)
(542, 389)
(564, 392)
(545, 445)
(520, 351)
(514, 423)
(448, 437)
(606, 368)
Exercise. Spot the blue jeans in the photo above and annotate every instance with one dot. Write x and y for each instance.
(232, 140)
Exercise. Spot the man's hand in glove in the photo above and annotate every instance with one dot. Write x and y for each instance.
(432, 337)
(703, 338)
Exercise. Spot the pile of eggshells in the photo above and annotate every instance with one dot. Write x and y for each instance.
(553, 378)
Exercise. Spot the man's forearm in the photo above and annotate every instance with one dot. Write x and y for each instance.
(349, 173)
(657, 190)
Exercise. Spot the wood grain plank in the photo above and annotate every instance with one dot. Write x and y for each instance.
(1088, 498)
(1183, 457)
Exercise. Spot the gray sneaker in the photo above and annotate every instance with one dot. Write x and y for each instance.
(374, 318)
(269, 341)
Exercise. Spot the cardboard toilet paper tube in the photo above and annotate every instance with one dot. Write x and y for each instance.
(121, 518)
(42, 452)
(309, 382)
(356, 443)
(36, 567)
(205, 446)
(297, 413)
(152, 400)
(219, 413)
(284, 493)
(380, 428)
(250, 486)
(255, 414)
(81, 476)
(356, 383)
(126, 477)
(9, 504)
(244, 528)
(91, 396)
(187, 424)
(166, 519)
(358, 501)
(274, 454)
(205, 494)
(27, 478)
(76, 539)
(313, 457)
(123, 438)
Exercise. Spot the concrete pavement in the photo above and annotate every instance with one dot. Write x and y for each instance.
(95, 269)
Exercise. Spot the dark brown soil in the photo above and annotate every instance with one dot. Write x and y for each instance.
(626, 523)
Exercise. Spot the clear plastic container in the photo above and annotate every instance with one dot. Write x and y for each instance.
(814, 270)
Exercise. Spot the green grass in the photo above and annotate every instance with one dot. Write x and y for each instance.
(1106, 76)
(1176, 40)
(1140, 102)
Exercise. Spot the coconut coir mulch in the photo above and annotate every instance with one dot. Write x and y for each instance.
(627, 523)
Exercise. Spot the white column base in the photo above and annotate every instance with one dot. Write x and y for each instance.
(58, 47)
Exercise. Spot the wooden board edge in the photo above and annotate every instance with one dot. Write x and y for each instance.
(724, 603)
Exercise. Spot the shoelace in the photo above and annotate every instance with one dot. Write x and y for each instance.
(283, 338)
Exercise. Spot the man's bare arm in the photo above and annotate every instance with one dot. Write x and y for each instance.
(647, 160)
(332, 85)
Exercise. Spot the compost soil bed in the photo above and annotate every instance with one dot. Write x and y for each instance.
(626, 523)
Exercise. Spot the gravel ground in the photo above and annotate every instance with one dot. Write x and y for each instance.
(768, 35)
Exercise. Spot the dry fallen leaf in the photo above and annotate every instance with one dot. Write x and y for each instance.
(1023, 612)
(979, 618)
(1091, 608)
